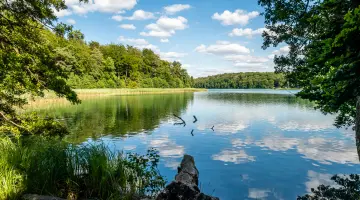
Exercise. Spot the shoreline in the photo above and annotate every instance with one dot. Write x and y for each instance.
(84, 94)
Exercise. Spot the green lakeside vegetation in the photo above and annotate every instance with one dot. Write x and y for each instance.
(50, 98)
(247, 80)
(38, 54)
(49, 166)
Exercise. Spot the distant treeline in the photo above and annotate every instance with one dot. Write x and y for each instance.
(243, 81)
(115, 65)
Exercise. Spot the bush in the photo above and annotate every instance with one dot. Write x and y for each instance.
(51, 167)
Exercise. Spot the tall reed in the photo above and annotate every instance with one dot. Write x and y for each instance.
(52, 167)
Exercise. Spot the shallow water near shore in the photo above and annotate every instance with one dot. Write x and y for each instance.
(266, 144)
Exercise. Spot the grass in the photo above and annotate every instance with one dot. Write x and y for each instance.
(83, 94)
(52, 167)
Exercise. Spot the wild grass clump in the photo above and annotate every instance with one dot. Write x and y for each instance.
(51, 167)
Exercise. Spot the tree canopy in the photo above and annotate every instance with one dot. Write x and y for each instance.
(242, 80)
(323, 37)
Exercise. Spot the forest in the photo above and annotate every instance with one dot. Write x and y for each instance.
(243, 80)
(39, 54)
(115, 65)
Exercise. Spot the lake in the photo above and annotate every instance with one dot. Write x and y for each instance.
(266, 144)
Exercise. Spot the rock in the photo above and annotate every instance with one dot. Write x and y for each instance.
(185, 185)
(39, 197)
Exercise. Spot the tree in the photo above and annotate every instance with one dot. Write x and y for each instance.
(29, 63)
(324, 59)
(238, 80)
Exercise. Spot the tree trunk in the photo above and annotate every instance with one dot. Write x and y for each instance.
(125, 76)
(357, 125)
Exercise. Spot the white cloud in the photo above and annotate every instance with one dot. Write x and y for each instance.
(230, 128)
(133, 41)
(118, 18)
(139, 43)
(246, 59)
(167, 148)
(71, 21)
(234, 156)
(247, 32)
(160, 34)
(176, 8)
(315, 179)
(141, 15)
(62, 13)
(171, 56)
(165, 27)
(172, 163)
(278, 143)
(323, 151)
(166, 23)
(128, 26)
(241, 17)
(137, 15)
(164, 40)
(223, 48)
(107, 6)
(258, 193)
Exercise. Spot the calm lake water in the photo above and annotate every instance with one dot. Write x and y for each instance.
(266, 144)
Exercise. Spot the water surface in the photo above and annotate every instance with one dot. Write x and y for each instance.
(266, 144)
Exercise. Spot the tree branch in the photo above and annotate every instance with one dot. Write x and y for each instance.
(11, 122)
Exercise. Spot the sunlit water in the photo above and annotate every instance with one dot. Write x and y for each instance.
(266, 144)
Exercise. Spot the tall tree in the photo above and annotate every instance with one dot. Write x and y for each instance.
(29, 63)
(324, 58)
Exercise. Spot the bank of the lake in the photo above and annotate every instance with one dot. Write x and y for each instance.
(83, 94)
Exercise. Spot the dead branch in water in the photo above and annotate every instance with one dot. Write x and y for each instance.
(192, 132)
(212, 128)
(182, 123)
(195, 119)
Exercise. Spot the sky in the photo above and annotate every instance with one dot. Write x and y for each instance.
(207, 36)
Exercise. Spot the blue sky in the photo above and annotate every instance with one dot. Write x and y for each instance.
(207, 37)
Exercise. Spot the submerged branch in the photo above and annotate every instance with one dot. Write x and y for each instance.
(195, 119)
(182, 123)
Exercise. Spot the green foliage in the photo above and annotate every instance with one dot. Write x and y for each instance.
(346, 188)
(36, 56)
(242, 80)
(324, 54)
(31, 56)
(51, 167)
(119, 66)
